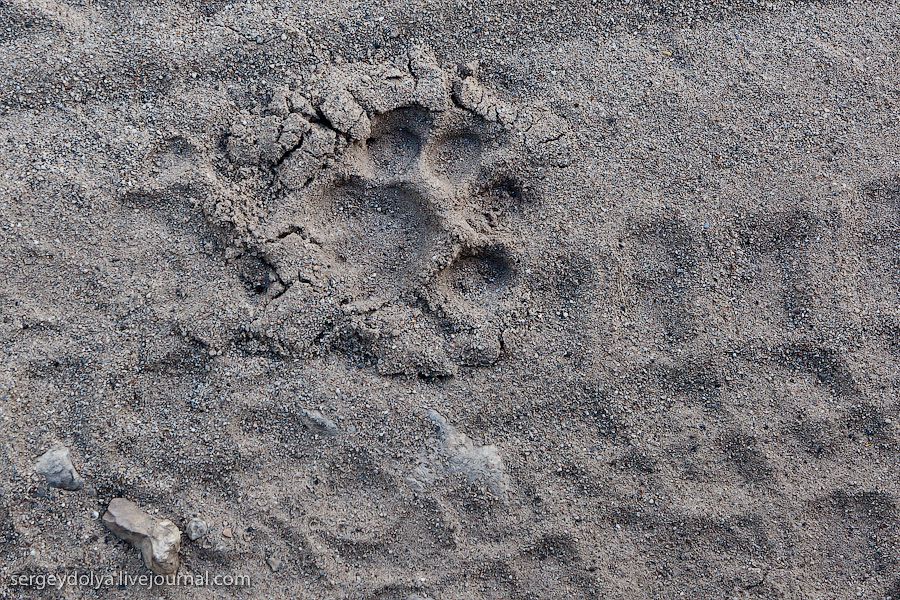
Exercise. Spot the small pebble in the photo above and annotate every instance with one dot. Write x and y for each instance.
(196, 528)
(274, 563)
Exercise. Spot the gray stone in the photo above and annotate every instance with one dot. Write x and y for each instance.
(56, 466)
(196, 528)
(319, 422)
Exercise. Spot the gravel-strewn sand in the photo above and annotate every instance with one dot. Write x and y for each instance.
(453, 300)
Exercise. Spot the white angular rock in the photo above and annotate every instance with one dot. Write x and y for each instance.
(56, 466)
(159, 540)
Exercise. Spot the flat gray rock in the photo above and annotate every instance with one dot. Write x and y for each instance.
(477, 463)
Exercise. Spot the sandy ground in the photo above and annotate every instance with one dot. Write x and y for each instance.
(454, 300)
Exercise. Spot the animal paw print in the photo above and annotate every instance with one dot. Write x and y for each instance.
(386, 215)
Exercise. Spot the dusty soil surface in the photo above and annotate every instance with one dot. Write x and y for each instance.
(453, 300)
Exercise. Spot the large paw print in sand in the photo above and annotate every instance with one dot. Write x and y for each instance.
(387, 217)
